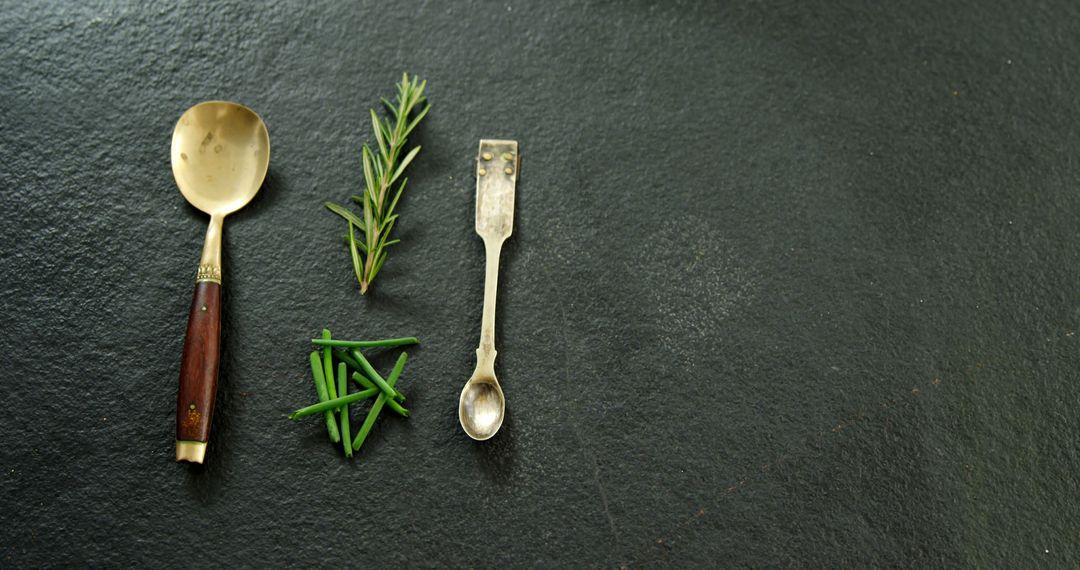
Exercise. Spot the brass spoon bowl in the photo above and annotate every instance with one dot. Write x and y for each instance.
(220, 153)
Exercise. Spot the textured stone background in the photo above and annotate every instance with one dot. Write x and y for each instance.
(791, 284)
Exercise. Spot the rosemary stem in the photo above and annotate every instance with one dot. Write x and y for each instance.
(320, 388)
(332, 404)
(379, 403)
(365, 343)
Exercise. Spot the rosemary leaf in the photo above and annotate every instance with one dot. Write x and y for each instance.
(378, 129)
(404, 162)
(389, 106)
(397, 195)
(416, 121)
(389, 226)
(378, 263)
(345, 240)
(368, 223)
(345, 214)
(358, 266)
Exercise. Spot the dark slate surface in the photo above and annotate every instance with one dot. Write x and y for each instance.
(792, 284)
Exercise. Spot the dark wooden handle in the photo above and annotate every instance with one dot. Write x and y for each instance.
(199, 365)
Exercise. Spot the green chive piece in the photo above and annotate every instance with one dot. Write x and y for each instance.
(361, 378)
(344, 357)
(332, 404)
(377, 406)
(328, 368)
(343, 389)
(320, 387)
(365, 343)
(365, 382)
(374, 376)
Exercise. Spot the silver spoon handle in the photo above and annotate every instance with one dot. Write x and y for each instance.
(496, 178)
(485, 353)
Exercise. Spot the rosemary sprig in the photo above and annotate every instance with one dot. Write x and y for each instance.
(382, 170)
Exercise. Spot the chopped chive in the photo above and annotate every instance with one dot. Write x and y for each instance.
(360, 377)
(331, 404)
(344, 357)
(365, 382)
(343, 389)
(369, 370)
(390, 392)
(362, 380)
(377, 406)
(365, 343)
(328, 368)
(372, 375)
(320, 387)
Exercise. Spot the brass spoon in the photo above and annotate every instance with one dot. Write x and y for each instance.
(220, 152)
(482, 406)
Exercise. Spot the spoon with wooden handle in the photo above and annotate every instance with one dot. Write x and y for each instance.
(220, 152)
(482, 405)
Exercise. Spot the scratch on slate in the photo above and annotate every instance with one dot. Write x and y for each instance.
(599, 485)
(577, 435)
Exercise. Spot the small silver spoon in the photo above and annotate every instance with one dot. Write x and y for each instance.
(482, 405)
